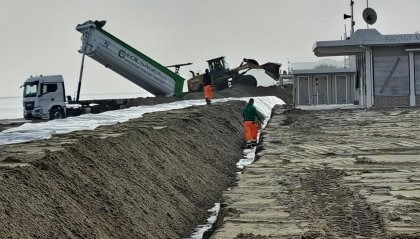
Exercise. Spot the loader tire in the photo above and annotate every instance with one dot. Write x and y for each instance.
(246, 80)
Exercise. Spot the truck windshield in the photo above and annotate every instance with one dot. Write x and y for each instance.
(30, 89)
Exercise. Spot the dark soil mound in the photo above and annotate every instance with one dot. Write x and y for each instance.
(152, 177)
(282, 92)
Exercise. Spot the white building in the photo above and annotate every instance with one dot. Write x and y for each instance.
(387, 71)
(324, 86)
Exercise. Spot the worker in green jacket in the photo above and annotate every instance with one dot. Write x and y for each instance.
(252, 119)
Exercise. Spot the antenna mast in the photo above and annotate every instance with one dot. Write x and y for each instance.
(352, 17)
(367, 6)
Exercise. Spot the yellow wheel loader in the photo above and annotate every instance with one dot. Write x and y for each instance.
(223, 77)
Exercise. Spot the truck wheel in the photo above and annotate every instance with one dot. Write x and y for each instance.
(246, 80)
(57, 113)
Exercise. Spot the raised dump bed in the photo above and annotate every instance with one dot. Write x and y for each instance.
(127, 61)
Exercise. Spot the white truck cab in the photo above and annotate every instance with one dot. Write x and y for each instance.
(44, 97)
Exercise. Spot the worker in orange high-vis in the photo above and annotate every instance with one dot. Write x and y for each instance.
(208, 87)
(251, 120)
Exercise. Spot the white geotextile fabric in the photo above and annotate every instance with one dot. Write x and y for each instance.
(44, 130)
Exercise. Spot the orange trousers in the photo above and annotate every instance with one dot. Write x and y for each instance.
(208, 94)
(251, 131)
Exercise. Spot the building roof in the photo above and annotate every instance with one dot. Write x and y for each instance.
(360, 39)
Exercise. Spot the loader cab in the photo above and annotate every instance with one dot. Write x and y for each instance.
(218, 67)
(217, 64)
(43, 96)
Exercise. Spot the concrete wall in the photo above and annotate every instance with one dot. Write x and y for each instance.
(391, 101)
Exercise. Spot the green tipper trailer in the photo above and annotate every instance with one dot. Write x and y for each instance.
(127, 61)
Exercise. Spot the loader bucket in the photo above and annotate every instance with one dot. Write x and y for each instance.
(272, 69)
(251, 62)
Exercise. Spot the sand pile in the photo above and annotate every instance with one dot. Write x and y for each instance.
(153, 177)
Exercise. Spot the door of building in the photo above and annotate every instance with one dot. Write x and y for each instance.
(320, 89)
(303, 90)
(341, 89)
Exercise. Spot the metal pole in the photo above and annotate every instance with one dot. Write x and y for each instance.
(85, 36)
(367, 6)
(352, 18)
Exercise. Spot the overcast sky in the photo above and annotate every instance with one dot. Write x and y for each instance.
(39, 37)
